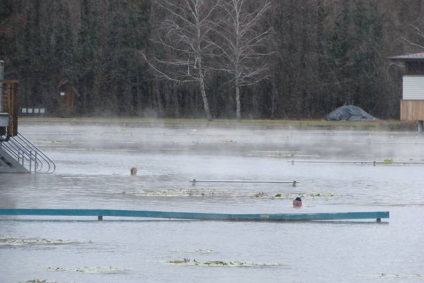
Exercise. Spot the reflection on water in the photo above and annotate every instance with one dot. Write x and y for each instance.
(93, 166)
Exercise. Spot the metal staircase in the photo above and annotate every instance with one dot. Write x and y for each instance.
(19, 155)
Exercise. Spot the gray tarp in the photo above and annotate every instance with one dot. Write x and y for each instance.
(349, 113)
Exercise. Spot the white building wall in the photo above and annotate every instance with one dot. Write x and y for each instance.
(413, 87)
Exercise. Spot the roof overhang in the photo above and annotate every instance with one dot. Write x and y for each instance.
(409, 57)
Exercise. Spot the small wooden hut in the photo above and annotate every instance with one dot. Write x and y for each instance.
(67, 98)
(412, 102)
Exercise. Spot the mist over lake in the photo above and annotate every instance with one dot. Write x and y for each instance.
(334, 170)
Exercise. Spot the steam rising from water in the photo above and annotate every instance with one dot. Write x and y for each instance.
(284, 143)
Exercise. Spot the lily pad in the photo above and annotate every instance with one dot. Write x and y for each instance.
(20, 241)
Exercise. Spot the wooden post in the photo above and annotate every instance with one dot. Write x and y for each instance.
(420, 126)
(10, 105)
(1, 84)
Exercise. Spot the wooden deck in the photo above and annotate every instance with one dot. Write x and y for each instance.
(100, 213)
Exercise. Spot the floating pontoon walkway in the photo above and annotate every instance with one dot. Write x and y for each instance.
(100, 213)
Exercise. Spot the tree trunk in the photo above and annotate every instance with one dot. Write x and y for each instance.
(205, 99)
(238, 106)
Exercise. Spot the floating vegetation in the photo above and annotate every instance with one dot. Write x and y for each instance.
(179, 261)
(182, 193)
(39, 281)
(85, 269)
(260, 195)
(280, 154)
(201, 251)
(6, 240)
(396, 276)
(219, 263)
(220, 193)
(318, 195)
(56, 269)
(294, 195)
(273, 153)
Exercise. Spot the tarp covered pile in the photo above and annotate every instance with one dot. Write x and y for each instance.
(349, 113)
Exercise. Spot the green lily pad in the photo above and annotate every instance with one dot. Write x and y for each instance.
(20, 241)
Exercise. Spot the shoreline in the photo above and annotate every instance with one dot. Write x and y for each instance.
(378, 125)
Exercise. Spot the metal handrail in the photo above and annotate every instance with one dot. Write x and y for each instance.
(22, 155)
(38, 152)
(28, 155)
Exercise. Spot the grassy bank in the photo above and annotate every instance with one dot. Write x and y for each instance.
(379, 125)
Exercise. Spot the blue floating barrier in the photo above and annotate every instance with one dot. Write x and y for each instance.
(100, 213)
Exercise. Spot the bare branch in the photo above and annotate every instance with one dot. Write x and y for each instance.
(243, 46)
(183, 38)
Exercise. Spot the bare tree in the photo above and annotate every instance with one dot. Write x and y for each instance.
(244, 43)
(183, 36)
(416, 43)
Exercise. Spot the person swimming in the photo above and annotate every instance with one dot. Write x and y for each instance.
(133, 171)
(297, 202)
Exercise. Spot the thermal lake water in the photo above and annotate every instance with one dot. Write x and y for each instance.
(333, 170)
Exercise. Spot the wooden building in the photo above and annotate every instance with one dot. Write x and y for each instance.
(9, 115)
(67, 98)
(412, 102)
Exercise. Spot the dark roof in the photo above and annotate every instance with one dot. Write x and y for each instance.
(62, 83)
(409, 57)
(66, 82)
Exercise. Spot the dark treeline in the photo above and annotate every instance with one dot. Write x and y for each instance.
(325, 54)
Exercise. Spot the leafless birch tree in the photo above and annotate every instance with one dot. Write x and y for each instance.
(183, 36)
(244, 43)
